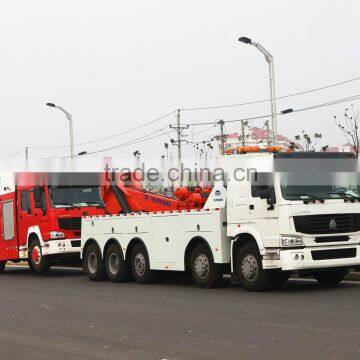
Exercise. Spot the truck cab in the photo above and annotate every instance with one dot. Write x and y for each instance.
(43, 222)
(296, 212)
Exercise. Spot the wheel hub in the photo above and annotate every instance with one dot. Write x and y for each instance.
(92, 263)
(201, 266)
(36, 255)
(114, 263)
(250, 267)
(140, 264)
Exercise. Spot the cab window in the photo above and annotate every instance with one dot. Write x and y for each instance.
(25, 201)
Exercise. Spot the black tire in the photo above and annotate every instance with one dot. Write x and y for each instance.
(116, 268)
(205, 273)
(93, 263)
(140, 265)
(2, 266)
(330, 278)
(38, 263)
(249, 265)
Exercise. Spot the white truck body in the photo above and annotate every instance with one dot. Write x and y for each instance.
(233, 216)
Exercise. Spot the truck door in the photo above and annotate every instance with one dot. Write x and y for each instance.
(263, 210)
(8, 237)
(25, 215)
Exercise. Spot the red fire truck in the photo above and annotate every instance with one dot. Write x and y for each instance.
(41, 217)
(40, 214)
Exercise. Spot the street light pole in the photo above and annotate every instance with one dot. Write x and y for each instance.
(270, 60)
(69, 117)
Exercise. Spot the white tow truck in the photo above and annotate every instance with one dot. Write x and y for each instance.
(260, 232)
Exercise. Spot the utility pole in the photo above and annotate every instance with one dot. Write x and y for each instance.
(27, 153)
(178, 135)
(178, 142)
(268, 140)
(222, 136)
(242, 133)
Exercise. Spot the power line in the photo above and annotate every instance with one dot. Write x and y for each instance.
(133, 142)
(214, 123)
(209, 108)
(111, 136)
(16, 152)
(330, 103)
(199, 108)
(277, 98)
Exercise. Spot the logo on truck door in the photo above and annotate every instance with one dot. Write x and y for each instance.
(332, 224)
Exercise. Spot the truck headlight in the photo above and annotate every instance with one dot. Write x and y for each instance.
(57, 235)
(291, 240)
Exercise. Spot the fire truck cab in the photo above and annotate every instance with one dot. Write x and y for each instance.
(41, 223)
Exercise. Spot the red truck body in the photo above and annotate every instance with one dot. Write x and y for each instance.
(35, 224)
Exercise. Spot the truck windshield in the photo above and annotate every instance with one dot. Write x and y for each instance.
(70, 196)
(323, 192)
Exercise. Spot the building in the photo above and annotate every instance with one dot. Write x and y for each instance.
(253, 137)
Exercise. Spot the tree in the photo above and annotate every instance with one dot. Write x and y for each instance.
(309, 142)
(349, 126)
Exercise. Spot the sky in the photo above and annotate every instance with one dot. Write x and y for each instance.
(116, 65)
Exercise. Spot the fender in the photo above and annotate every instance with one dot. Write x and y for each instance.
(117, 242)
(97, 244)
(34, 230)
(127, 252)
(244, 229)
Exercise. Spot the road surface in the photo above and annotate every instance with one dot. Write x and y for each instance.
(65, 316)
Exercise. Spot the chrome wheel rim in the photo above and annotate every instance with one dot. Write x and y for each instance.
(140, 264)
(114, 263)
(202, 266)
(92, 263)
(250, 267)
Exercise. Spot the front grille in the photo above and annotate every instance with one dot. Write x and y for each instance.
(329, 239)
(70, 223)
(327, 224)
(76, 243)
(333, 254)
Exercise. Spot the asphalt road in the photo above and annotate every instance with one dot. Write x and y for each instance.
(65, 316)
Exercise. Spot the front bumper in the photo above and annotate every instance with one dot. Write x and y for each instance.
(64, 246)
(301, 259)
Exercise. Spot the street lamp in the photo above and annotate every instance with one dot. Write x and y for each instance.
(69, 117)
(269, 59)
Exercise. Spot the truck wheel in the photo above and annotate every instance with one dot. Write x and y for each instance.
(2, 266)
(249, 265)
(330, 278)
(140, 265)
(116, 268)
(93, 263)
(205, 272)
(38, 263)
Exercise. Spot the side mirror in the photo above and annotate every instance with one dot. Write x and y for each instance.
(271, 199)
(268, 193)
(264, 192)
